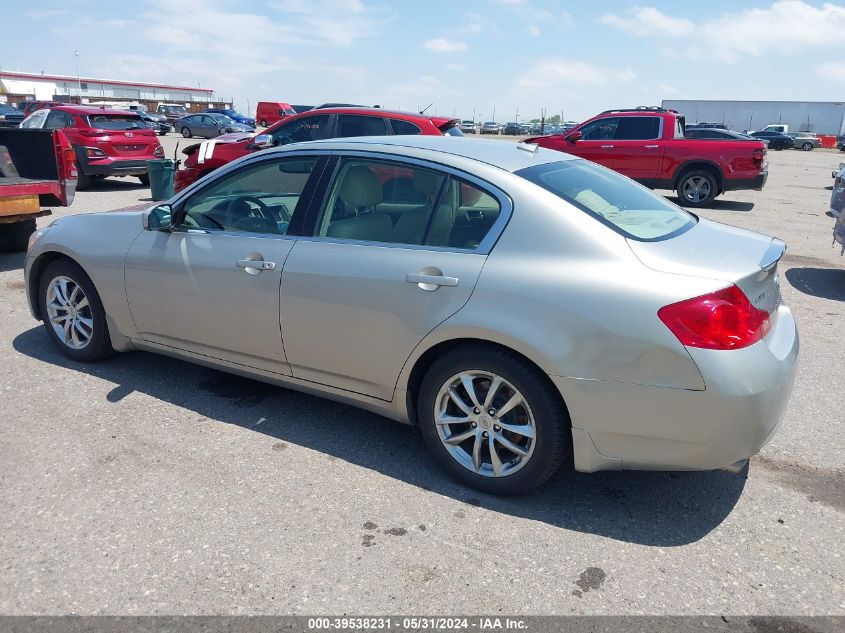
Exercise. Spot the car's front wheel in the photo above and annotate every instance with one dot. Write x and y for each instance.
(697, 188)
(73, 313)
(186, 132)
(807, 147)
(492, 420)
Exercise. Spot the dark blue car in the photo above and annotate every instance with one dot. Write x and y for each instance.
(234, 115)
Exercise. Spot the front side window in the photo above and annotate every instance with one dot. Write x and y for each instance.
(309, 128)
(600, 130)
(349, 125)
(381, 201)
(612, 199)
(260, 198)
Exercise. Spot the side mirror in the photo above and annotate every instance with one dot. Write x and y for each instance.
(159, 218)
(262, 141)
(574, 136)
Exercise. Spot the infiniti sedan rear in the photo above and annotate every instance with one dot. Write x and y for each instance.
(524, 308)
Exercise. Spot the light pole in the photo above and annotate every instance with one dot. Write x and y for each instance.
(78, 77)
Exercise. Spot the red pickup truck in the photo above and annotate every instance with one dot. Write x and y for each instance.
(37, 168)
(648, 145)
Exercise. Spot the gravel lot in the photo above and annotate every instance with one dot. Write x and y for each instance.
(145, 485)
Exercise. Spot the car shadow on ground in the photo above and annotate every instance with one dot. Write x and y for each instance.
(827, 283)
(128, 183)
(11, 261)
(657, 509)
(719, 205)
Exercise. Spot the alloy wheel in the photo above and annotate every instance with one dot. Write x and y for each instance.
(484, 423)
(69, 312)
(696, 189)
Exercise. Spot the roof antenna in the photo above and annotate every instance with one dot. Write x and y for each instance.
(426, 108)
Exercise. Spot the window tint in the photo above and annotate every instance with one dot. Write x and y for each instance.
(617, 202)
(115, 122)
(404, 127)
(258, 199)
(600, 130)
(379, 201)
(638, 128)
(309, 128)
(57, 120)
(352, 125)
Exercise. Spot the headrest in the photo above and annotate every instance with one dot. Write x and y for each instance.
(361, 187)
(427, 182)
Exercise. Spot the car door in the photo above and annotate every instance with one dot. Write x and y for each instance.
(596, 142)
(383, 268)
(638, 147)
(210, 285)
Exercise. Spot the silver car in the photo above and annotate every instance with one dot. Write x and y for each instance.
(805, 141)
(208, 125)
(523, 307)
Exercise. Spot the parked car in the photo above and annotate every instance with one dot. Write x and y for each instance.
(158, 122)
(208, 125)
(804, 140)
(271, 112)
(491, 127)
(172, 111)
(10, 116)
(840, 143)
(647, 144)
(837, 197)
(106, 142)
(525, 128)
(469, 127)
(236, 116)
(314, 124)
(705, 125)
(30, 106)
(718, 133)
(776, 140)
(37, 169)
(487, 323)
(511, 128)
(302, 108)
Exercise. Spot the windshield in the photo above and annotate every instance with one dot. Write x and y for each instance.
(612, 199)
(174, 109)
(115, 122)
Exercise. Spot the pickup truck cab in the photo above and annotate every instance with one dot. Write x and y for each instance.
(649, 146)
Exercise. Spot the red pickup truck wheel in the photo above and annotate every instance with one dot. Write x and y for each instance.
(697, 188)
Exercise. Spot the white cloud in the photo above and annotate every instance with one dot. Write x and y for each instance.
(648, 21)
(834, 71)
(47, 13)
(443, 45)
(670, 91)
(456, 67)
(552, 71)
(534, 30)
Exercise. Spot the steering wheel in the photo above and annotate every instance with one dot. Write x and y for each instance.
(232, 206)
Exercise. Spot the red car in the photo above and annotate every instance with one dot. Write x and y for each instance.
(648, 145)
(309, 126)
(106, 142)
(271, 112)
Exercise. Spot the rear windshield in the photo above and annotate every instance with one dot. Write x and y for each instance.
(453, 130)
(115, 122)
(612, 199)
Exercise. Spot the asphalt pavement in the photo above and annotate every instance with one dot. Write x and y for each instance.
(147, 485)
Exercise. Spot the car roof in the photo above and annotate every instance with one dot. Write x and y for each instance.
(90, 110)
(367, 111)
(503, 154)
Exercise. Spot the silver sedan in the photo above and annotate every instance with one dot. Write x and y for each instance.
(524, 308)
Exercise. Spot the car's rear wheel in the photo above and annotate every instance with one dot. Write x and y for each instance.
(492, 420)
(73, 313)
(697, 188)
(263, 122)
(186, 132)
(83, 180)
(807, 147)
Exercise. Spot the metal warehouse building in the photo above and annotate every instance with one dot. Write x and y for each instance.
(820, 117)
(18, 86)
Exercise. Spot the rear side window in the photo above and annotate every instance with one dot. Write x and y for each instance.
(454, 130)
(309, 128)
(612, 199)
(638, 128)
(58, 120)
(353, 125)
(404, 128)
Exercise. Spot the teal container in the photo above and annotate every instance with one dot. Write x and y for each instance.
(161, 172)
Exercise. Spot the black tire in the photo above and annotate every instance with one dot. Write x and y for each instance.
(186, 132)
(15, 237)
(145, 179)
(553, 443)
(162, 133)
(689, 199)
(99, 345)
(263, 122)
(83, 180)
(807, 147)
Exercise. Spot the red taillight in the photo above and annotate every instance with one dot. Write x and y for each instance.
(724, 319)
(159, 151)
(93, 133)
(758, 155)
(70, 163)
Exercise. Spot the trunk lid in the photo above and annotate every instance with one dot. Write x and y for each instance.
(724, 253)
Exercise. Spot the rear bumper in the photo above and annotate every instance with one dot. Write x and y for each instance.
(756, 182)
(118, 167)
(637, 427)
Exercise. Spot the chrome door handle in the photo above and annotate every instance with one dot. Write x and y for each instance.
(607, 146)
(651, 146)
(255, 266)
(431, 282)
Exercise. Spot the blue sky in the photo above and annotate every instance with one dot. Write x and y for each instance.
(570, 57)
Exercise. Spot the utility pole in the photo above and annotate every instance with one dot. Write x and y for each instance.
(516, 116)
(78, 77)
